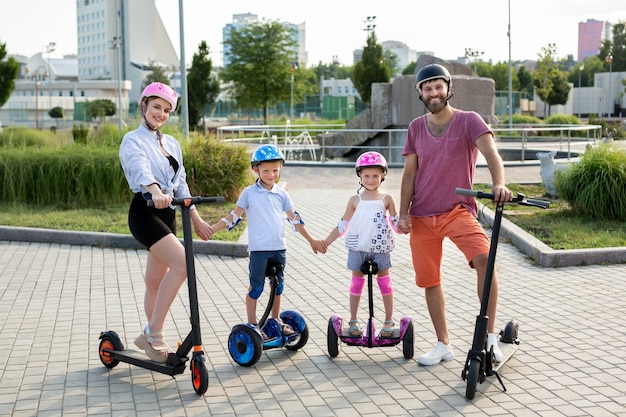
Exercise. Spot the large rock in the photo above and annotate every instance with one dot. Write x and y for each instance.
(394, 105)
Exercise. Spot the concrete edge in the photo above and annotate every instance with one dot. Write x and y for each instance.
(112, 240)
(544, 255)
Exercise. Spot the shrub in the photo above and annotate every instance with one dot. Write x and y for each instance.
(79, 175)
(80, 133)
(215, 168)
(596, 186)
(20, 137)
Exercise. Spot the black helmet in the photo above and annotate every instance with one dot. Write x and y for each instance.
(432, 72)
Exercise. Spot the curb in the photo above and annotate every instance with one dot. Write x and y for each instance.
(544, 255)
(111, 240)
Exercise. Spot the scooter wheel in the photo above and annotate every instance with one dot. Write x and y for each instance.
(299, 341)
(408, 349)
(199, 375)
(472, 378)
(332, 340)
(245, 345)
(109, 341)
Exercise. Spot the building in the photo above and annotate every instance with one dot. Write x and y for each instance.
(118, 42)
(590, 36)
(120, 39)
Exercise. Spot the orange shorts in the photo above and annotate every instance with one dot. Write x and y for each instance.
(426, 239)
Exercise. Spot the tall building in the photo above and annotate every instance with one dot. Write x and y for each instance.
(590, 36)
(244, 19)
(119, 39)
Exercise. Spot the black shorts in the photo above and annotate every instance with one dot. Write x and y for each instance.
(148, 224)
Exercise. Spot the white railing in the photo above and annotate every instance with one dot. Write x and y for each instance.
(299, 142)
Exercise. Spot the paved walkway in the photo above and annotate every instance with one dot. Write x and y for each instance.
(56, 299)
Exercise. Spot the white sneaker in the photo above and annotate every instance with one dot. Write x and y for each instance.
(440, 353)
(492, 340)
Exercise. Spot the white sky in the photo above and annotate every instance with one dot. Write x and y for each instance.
(336, 27)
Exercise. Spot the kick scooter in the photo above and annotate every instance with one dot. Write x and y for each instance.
(246, 342)
(480, 362)
(112, 350)
(370, 338)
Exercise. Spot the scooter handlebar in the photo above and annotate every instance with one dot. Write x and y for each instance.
(186, 201)
(518, 199)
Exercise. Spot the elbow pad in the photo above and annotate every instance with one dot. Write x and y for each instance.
(393, 221)
(342, 226)
(297, 219)
(230, 224)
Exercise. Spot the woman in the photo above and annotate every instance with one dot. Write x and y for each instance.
(153, 165)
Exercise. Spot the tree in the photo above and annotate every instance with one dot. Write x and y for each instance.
(261, 57)
(57, 113)
(370, 69)
(616, 48)
(100, 108)
(550, 83)
(204, 88)
(8, 73)
(410, 69)
(525, 79)
(157, 75)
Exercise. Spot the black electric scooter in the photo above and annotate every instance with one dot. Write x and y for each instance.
(112, 350)
(480, 362)
(246, 342)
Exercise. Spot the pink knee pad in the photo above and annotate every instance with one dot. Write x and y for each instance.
(356, 288)
(384, 284)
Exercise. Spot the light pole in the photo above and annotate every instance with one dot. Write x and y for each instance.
(510, 74)
(580, 70)
(473, 54)
(37, 78)
(51, 47)
(609, 101)
(294, 67)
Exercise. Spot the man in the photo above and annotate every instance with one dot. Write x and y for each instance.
(440, 152)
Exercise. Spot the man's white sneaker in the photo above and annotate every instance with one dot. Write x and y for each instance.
(492, 340)
(440, 353)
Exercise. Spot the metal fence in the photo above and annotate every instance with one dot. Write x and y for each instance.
(311, 143)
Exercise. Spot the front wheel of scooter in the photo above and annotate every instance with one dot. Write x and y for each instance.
(332, 340)
(199, 375)
(472, 378)
(109, 340)
(408, 339)
(245, 345)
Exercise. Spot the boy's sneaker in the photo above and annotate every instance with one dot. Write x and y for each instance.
(440, 353)
(492, 340)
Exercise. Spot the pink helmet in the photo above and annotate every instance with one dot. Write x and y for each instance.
(371, 159)
(160, 90)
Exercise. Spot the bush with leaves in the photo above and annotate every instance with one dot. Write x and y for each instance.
(80, 132)
(596, 185)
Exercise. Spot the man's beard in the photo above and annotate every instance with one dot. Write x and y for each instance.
(435, 107)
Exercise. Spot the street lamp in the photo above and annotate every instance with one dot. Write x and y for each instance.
(37, 76)
(580, 70)
(473, 54)
(51, 47)
(609, 101)
(294, 67)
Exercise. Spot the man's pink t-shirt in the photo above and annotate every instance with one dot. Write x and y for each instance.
(444, 163)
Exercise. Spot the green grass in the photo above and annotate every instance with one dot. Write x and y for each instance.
(558, 227)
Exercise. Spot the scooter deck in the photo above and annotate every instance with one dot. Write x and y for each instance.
(345, 334)
(508, 350)
(137, 358)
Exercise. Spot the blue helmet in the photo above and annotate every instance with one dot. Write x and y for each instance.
(265, 153)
